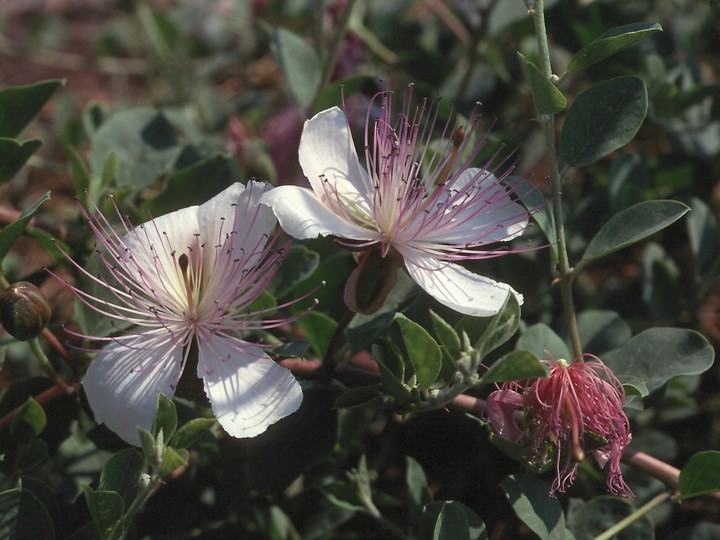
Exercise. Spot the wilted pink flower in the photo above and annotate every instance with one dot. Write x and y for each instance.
(578, 407)
(418, 203)
(182, 278)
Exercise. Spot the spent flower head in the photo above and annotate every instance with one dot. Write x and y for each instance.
(180, 282)
(577, 408)
(416, 202)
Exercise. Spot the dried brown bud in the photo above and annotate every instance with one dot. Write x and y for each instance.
(24, 310)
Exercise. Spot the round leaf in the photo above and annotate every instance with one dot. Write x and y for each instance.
(29, 420)
(601, 513)
(319, 328)
(602, 119)
(529, 498)
(121, 474)
(659, 354)
(515, 365)
(144, 142)
(632, 225)
(540, 340)
(437, 516)
(451, 524)
(602, 330)
(22, 515)
(107, 510)
(700, 475)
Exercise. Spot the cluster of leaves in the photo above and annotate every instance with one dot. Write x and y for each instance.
(375, 450)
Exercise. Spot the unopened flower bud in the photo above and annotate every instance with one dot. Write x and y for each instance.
(24, 310)
(370, 283)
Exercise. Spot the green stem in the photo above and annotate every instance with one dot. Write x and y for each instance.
(331, 58)
(547, 121)
(45, 364)
(168, 59)
(473, 51)
(373, 511)
(320, 31)
(137, 505)
(637, 514)
(330, 359)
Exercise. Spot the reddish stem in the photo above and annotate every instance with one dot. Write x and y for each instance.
(654, 467)
(55, 343)
(42, 398)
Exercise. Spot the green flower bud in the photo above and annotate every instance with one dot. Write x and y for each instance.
(24, 311)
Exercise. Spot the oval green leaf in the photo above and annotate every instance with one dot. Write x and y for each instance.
(538, 206)
(599, 514)
(319, 328)
(165, 418)
(602, 119)
(529, 498)
(548, 99)
(451, 524)
(700, 475)
(14, 154)
(416, 483)
(13, 231)
(107, 510)
(121, 473)
(542, 340)
(192, 431)
(610, 43)
(423, 351)
(392, 370)
(437, 517)
(29, 421)
(299, 64)
(22, 515)
(145, 145)
(657, 355)
(20, 104)
(513, 366)
(172, 460)
(488, 333)
(602, 330)
(360, 397)
(632, 225)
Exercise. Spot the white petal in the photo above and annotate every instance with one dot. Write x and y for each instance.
(302, 215)
(327, 154)
(150, 251)
(501, 219)
(458, 288)
(234, 218)
(123, 382)
(247, 390)
(161, 235)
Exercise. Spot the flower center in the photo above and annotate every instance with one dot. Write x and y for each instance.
(184, 264)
